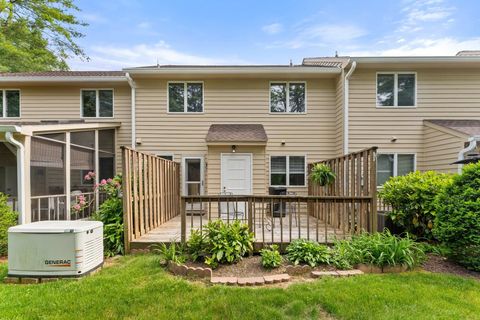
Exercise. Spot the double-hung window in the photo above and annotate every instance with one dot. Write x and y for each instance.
(396, 89)
(392, 165)
(287, 170)
(97, 103)
(185, 97)
(287, 97)
(9, 103)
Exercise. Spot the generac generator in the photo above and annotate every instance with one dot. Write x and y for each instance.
(55, 248)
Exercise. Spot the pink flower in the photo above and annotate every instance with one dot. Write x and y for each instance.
(91, 174)
(77, 207)
(109, 180)
(82, 202)
(96, 185)
(87, 177)
(103, 182)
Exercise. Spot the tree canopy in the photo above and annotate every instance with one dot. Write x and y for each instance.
(38, 35)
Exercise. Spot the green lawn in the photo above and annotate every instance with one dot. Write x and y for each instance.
(137, 288)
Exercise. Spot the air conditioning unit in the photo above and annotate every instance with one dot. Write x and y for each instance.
(55, 248)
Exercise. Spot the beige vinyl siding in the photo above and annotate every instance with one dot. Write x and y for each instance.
(238, 101)
(339, 117)
(441, 149)
(62, 102)
(441, 94)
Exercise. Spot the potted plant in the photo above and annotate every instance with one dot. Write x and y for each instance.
(322, 174)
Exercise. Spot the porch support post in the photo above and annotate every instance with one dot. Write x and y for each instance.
(27, 209)
(68, 198)
(97, 165)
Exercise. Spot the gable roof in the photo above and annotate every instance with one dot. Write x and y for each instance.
(464, 126)
(234, 133)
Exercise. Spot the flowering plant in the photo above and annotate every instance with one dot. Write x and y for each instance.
(112, 187)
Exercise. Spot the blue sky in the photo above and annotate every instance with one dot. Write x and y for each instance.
(123, 33)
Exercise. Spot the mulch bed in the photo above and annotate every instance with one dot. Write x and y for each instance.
(249, 267)
(440, 264)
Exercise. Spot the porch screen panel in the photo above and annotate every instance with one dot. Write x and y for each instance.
(106, 153)
(47, 167)
(82, 161)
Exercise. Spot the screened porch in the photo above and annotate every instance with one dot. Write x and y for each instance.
(62, 163)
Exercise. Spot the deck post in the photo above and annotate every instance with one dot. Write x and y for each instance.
(126, 199)
(183, 216)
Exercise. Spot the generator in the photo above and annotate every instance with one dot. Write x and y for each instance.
(55, 248)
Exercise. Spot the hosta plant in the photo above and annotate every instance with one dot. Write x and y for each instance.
(271, 257)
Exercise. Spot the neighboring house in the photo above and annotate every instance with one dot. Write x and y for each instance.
(239, 129)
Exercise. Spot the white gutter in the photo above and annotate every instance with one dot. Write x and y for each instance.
(133, 108)
(471, 146)
(418, 59)
(20, 175)
(346, 107)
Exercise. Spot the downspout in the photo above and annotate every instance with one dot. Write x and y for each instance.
(20, 175)
(345, 106)
(471, 146)
(133, 109)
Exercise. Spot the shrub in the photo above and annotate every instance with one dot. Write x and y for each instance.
(457, 224)
(322, 174)
(8, 218)
(111, 214)
(221, 242)
(308, 251)
(412, 198)
(169, 253)
(271, 257)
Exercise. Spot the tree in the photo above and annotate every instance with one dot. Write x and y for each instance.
(38, 35)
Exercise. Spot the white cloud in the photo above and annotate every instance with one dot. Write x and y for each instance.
(90, 17)
(144, 25)
(111, 57)
(424, 47)
(321, 35)
(419, 14)
(273, 28)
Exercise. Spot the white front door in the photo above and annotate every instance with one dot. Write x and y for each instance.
(236, 173)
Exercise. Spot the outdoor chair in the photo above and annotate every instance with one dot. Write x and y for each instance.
(229, 210)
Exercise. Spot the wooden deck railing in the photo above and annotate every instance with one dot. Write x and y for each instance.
(151, 192)
(281, 219)
(356, 176)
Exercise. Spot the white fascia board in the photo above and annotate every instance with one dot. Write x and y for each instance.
(234, 70)
(424, 59)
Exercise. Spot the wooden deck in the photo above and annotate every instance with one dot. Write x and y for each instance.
(308, 228)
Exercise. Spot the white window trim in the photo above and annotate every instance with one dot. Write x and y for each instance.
(185, 97)
(288, 97)
(395, 89)
(395, 161)
(165, 154)
(287, 171)
(97, 103)
(4, 106)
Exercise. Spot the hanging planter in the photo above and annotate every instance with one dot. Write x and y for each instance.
(322, 175)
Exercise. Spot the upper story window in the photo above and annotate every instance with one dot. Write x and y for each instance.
(287, 171)
(185, 97)
(396, 89)
(392, 165)
(287, 97)
(97, 103)
(9, 103)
